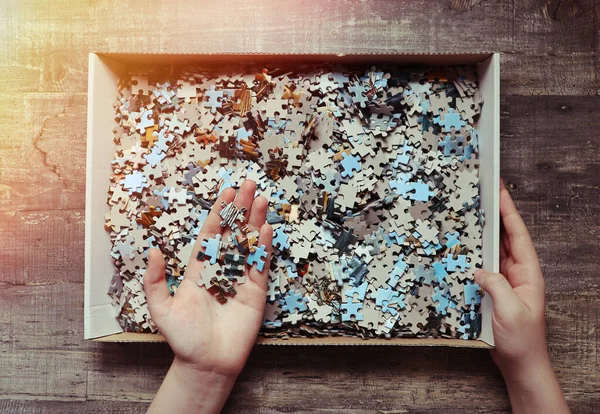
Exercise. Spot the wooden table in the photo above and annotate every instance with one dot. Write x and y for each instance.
(550, 158)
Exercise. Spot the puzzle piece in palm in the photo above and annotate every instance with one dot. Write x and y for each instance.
(257, 257)
(212, 248)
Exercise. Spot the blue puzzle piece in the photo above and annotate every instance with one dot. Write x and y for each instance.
(389, 295)
(389, 307)
(401, 186)
(452, 239)
(277, 124)
(451, 119)
(134, 182)
(442, 301)
(295, 302)
(350, 309)
(421, 191)
(459, 263)
(393, 306)
(151, 242)
(397, 272)
(212, 247)
(257, 257)
(243, 134)
(350, 164)
(472, 295)
(155, 156)
(403, 156)
(424, 274)
(291, 269)
(439, 270)
(453, 145)
(468, 153)
(214, 99)
(360, 292)
(281, 238)
(201, 217)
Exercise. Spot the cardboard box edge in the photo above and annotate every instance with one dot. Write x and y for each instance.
(131, 337)
(119, 336)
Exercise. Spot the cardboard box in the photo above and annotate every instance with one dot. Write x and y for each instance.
(106, 68)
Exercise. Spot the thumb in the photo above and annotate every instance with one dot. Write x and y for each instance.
(506, 303)
(155, 284)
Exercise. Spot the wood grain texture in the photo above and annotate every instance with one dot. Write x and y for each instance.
(43, 356)
(550, 158)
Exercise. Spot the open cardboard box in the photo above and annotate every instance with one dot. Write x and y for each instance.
(106, 68)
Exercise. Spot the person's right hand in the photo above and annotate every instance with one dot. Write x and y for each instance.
(518, 320)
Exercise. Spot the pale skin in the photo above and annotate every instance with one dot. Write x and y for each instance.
(519, 295)
(211, 341)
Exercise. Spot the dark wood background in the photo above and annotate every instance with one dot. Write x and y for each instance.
(550, 158)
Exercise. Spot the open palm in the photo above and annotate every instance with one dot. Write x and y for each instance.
(200, 330)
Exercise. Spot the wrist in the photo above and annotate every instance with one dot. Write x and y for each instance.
(191, 372)
(187, 388)
(527, 374)
(532, 386)
(202, 382)
(526, 369)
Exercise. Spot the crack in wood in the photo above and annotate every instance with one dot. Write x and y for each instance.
(38, 138)
(560, 10)
(20, 284)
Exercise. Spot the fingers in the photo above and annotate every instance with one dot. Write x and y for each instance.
(258, 213)
(521, 246)
(245, 196)
(506, 302)
(155, 284)
(265, 238)
(212, 224)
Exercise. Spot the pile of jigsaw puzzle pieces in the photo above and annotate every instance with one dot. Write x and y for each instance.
(371, 174)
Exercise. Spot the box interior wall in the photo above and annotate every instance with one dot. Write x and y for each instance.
(105, 68)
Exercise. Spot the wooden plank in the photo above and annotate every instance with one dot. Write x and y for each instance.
(42, 154)
(43, 356)
(550, 156)
(531, 75)
(42, 247)
(47, 407)
(535, 43)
